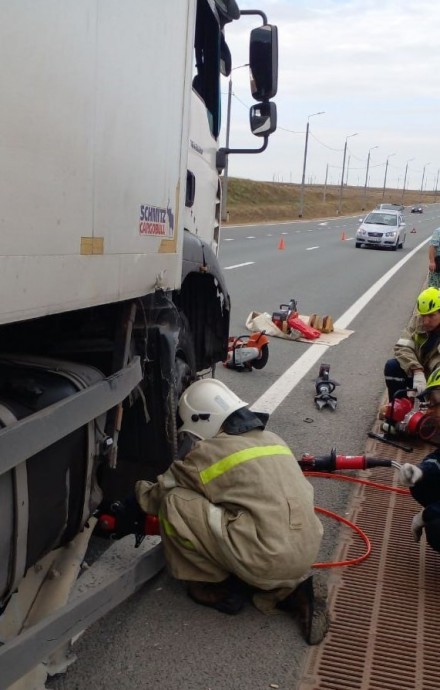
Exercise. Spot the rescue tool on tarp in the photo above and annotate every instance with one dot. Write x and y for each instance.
(247, 352)
(324, 387)
(287, 319)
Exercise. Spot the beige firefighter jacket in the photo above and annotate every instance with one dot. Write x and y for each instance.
(236, 504)
(408, 349)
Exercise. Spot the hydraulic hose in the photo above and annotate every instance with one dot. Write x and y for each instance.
(348, 523)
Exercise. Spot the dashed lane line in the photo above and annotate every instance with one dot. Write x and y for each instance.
(246, 263)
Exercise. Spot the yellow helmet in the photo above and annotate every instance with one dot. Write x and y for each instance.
(428, 301)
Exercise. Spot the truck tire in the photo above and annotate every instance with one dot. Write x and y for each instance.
(148, 441)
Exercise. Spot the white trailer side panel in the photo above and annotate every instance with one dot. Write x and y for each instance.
(93, 150)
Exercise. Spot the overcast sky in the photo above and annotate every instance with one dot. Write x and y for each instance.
(373, 66)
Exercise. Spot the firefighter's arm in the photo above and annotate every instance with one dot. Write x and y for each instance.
(405, 351)
(149, 496)
(428, 469)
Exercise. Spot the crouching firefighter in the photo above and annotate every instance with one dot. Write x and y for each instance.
(236, 514)
(423, 480)
(417, 352)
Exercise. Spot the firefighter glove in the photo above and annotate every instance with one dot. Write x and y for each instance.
(417, 526)
(419, 382)
(410, 474)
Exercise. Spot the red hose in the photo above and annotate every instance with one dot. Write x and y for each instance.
(363, 536)
(339, 518)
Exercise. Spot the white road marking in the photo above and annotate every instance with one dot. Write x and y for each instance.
(308, 249)
(228, 239)
(251, 237)
(323, 223)
(247, 263)
(283, 386)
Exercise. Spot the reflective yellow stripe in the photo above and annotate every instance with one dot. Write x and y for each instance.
(225, 464)
(171, 532)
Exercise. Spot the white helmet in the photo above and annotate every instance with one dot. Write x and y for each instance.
(204, 406)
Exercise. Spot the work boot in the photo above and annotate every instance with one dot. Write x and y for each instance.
(309, 603)
(221, 596)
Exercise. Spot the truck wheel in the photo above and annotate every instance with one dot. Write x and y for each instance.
(261, 362)
(182, 375)
(148, 438)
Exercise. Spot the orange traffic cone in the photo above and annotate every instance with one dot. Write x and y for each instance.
(343, 236)
(413, 231)
(281, 243)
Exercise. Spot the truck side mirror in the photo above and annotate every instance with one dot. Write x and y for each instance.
(263, 62)
(263, 118)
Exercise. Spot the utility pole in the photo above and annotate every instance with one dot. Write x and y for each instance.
(303, 179)
(343, 171)
(385, 178)
(404, 179)
(423, 179)
(366, 175)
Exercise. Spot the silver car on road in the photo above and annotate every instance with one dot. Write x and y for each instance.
(385, 229)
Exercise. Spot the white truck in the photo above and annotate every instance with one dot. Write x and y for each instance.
(112, 299)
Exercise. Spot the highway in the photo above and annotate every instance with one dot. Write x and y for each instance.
(159, 638)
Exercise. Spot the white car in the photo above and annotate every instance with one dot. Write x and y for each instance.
(385, 229)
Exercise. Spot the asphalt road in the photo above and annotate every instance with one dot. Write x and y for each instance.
(159, 638)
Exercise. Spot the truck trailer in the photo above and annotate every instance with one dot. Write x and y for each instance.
(112, 297)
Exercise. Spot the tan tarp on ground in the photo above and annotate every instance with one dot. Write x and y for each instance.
(262, 321)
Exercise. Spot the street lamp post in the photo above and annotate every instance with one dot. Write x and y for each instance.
(228, 129)
(303, 179)
(423, 178)
(385, 177)
(343, 170)
(404, 179)
(366, 174)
